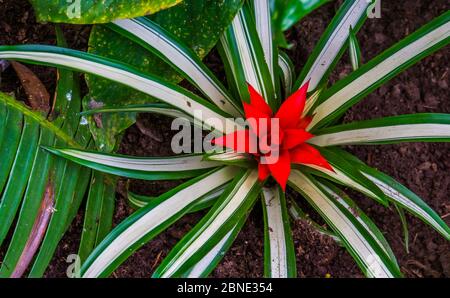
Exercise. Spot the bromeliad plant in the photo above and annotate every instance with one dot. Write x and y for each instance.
(228, 182)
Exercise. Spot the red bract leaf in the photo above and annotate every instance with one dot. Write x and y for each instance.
(291, 110)
(304, 122)
(241, 141)
(257, 101)
(295, 137)
(306, 154)
(263, 171)
(280, 168)
(255, 118)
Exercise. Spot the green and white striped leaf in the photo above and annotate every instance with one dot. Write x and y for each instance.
(234, 204)
(206, 201)
(156, 39)
(242, 51)
(286, 72)
(156, 108)
(343, 199)
(263, 21)
(354, 50)
(279, 253)
(382, 68)
(124, 74)
(176, 167)
(366, 251)
(231, 158)
(298, 214)
(149, 221)
(345, 173)
(207, 264)
(404, 128)
(399, 194)
(406, 199)
(333, 43)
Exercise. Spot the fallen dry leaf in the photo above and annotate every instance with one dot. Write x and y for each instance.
(38, 96)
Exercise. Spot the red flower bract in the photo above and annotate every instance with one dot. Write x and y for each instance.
(277, 146)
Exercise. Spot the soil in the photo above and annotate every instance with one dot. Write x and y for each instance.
(424, 167)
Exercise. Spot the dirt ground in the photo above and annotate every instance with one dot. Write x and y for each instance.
(424, 167)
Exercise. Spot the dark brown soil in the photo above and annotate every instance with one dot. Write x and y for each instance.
(423, 168)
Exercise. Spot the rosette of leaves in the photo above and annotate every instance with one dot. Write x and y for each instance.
(227, 182)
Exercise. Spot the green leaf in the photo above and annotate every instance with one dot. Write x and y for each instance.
(119, 72)
(345, 173)
(349, 91)
(263, 22)
(208, 263)
(354, 50)
(333, 43)
(206, 201)
(168, 168)
(298, 214)
(99, 213)
(72, 180)
(279, 253)
(226, 213)
(243, 54)
(401, 214)
(359, 241)
(287, 73)
(344, 200)
(399, 194)
(185, 61)
(406, 199)
(149, 221)
(389, 130)
(93, 12)
(196, 24)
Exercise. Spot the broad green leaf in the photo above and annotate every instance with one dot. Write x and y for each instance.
(72, 180)
(197, 24)
(279, 253)
(94, 12)
(150, 220)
